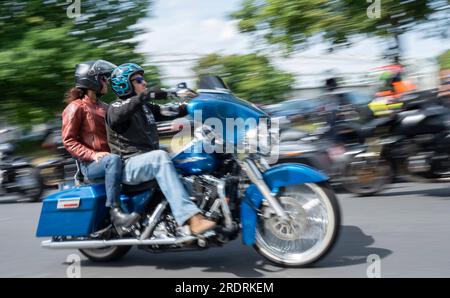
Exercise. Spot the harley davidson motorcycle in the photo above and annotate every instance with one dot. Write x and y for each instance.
(59, 171)
(17, 174)
(287, 212)
(351, 163)
(416, 140)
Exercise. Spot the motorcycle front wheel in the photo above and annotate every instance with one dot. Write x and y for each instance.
(367, 177)
(310, 232)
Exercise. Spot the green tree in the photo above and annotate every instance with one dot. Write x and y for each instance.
(40, 46)
(292, 23)
(251, 77)
(444, 60)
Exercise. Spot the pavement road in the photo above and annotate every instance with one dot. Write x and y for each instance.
(407, 226)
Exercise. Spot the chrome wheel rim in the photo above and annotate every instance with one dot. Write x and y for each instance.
(312, 227)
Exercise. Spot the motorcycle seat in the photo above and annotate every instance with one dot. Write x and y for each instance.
(127, 189)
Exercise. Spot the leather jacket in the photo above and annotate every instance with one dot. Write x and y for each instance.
(83, 129)
(131, 125)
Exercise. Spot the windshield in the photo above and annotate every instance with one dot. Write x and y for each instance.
(212, 83)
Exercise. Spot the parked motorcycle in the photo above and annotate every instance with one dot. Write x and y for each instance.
(17, 175)
(343, 155)
(59, 170)
(416, 140)
(288, 212)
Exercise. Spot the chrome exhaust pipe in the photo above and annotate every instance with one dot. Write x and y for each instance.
(117, 242)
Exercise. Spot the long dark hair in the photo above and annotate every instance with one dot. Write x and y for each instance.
(74, 94)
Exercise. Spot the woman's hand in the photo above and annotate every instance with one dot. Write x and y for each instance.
(99, 155)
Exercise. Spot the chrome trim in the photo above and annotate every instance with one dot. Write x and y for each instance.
(224, 91)
(213, 208)
(225, 209)
(220, 184)
(153, 220)
(118, 242)
(190, 159)
(255, 176)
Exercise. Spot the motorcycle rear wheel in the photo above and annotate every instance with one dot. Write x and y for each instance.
(311, 233)
(107, 254)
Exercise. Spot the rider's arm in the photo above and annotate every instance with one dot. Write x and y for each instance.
(72, 118)
(121, 110)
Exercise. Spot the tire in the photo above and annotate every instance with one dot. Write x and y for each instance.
(318, 250)
(107, 254)
(30, 176)
(51, 176)
(361, 189)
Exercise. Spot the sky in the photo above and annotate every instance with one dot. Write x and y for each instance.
(186, 29)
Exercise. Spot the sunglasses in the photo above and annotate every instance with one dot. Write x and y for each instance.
(139, 80)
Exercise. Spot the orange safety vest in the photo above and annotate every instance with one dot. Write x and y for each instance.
(399, 88)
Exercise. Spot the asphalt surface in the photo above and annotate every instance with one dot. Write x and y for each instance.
(407, 226)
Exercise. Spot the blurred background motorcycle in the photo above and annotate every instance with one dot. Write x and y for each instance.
(17, 174)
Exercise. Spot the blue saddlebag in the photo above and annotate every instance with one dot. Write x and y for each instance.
(74, 212)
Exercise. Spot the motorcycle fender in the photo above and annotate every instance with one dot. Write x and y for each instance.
(276, 177)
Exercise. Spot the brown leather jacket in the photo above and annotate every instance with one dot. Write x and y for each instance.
(83, 129)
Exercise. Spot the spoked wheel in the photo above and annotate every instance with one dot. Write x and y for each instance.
(313, 225)
(367, 176)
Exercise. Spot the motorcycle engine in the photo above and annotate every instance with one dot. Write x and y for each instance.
(204, 191)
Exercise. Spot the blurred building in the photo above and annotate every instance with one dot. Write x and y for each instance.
(354, 72)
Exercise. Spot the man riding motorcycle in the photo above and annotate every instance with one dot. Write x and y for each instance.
(132, 134)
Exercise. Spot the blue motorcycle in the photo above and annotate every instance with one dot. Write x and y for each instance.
(287, 212)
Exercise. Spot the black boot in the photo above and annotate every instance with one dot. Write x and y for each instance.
(123, 221)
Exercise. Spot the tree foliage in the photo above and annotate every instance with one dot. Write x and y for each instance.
(40, 46)
(251, 77)
(292, 23)
(444, 60)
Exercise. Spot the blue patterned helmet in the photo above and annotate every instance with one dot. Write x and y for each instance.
(120, 79)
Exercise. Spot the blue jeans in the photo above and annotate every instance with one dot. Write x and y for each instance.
(109, 168)
(157, 165)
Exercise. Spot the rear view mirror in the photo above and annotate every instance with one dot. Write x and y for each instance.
(182, 85)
